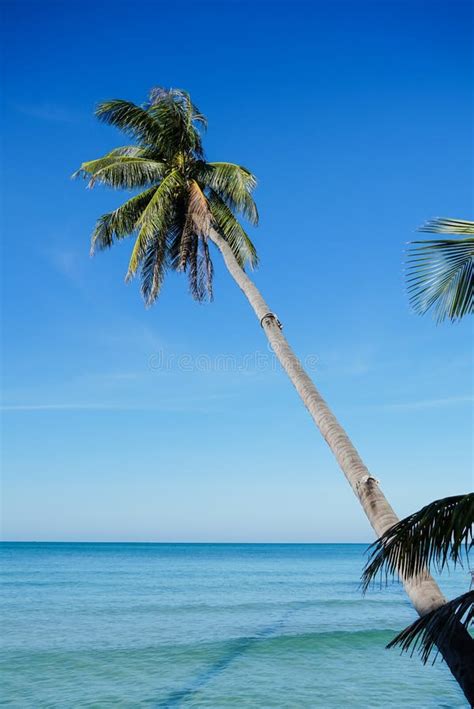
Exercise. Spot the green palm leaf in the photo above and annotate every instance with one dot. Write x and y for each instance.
(180, 98)
(133, 120)
(176, 116)
(122, 171)
(155, 222)
(120, 223)
(448, 226)
(131, 151)
(197, 224)
(230, 229)
(436, 534)
(437, 627)
(153, 267)
(200, 270)
(234, 185)
(440, 272)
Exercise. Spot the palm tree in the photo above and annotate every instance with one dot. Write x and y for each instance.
(441, 271)
(186, 203)
(439, 533)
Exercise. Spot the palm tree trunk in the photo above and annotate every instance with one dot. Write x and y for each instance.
(423, 591)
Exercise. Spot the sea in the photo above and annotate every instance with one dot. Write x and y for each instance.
(207, 625)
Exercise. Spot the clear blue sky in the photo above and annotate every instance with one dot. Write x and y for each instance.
(356, 117)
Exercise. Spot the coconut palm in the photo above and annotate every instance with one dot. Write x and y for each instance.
(439, 533)
(185, 204)
(440, 272)
(183, 196)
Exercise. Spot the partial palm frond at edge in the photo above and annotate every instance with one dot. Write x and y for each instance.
(436, 627)
(440, 272)
(438, 533)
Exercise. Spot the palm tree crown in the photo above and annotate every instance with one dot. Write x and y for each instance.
(182, 196)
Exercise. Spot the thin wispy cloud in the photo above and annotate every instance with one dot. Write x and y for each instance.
(349, 362)
(176, 405)
(66, 262)
(427, 403)
(128, 334)
(52, 112)
(70, 264)
(122, 376)
(59, 407)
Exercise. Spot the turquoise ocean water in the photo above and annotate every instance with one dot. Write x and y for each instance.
(178, 625)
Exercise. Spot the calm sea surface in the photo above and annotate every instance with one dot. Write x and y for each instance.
(177, 625)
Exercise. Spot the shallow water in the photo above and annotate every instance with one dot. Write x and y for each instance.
(178, 625)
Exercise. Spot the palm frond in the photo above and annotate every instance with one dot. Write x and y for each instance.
(437, 627)
(176, 116)
(440, 274)
(197, 223)
(234, 185)
(182, 245)
(230, 229)
(190, 251)
(438, 533)
(120, 223)
(133, 120)
(131, 151)
(207, 268)
(153, 268)
(180, 96)
(448, 226)
(155, 221)
(180, 229)
(200, 270)
(122, 171)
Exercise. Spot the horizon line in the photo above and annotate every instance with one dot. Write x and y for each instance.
(49, 541)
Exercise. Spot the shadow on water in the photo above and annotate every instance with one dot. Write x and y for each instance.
(239, 647)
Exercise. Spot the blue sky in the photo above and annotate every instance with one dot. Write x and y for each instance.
(356, 118)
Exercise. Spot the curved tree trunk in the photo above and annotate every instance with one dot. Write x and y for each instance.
(423, 591)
